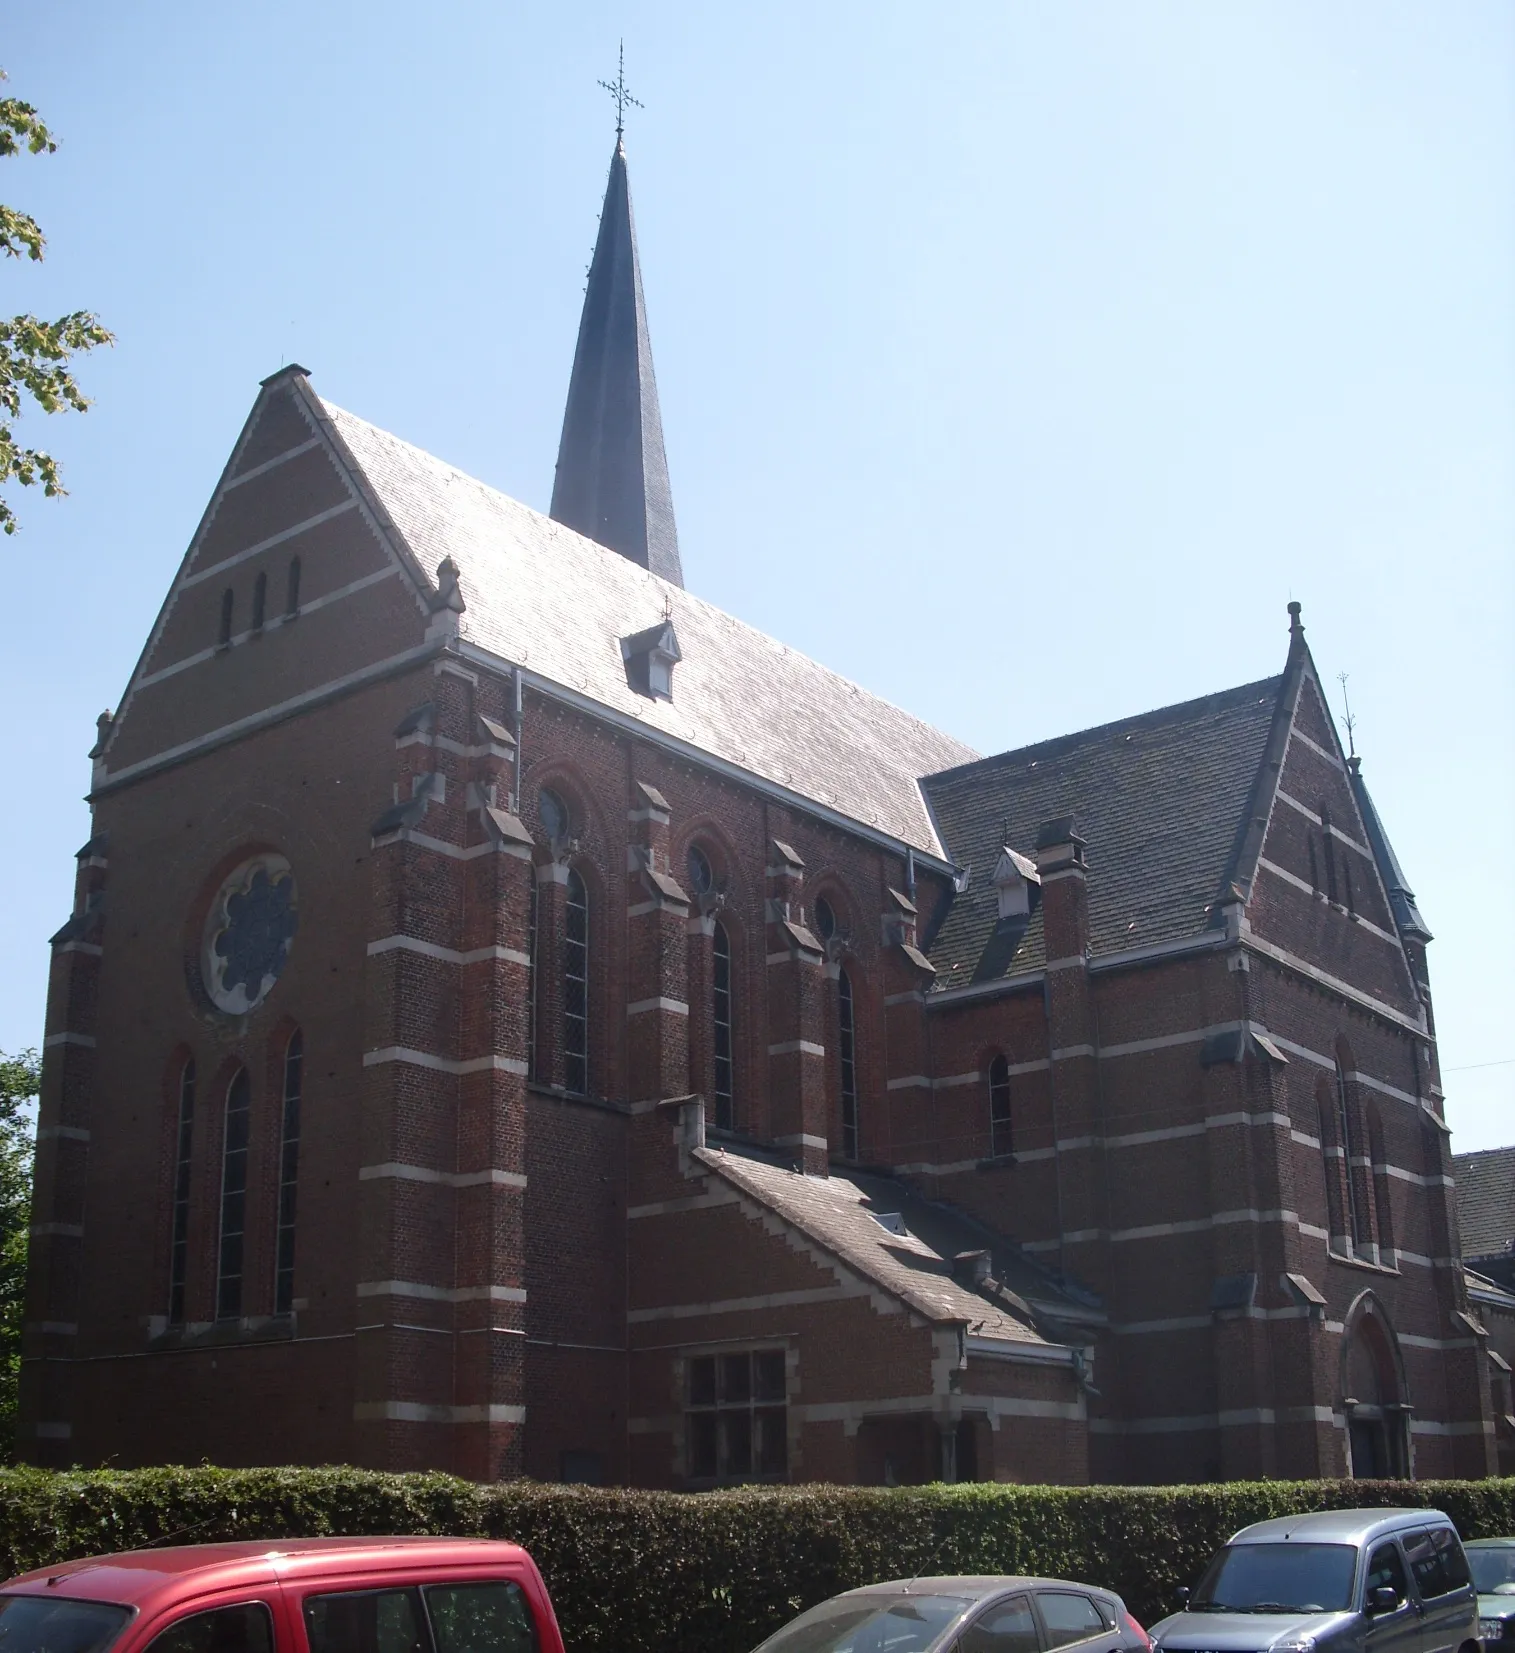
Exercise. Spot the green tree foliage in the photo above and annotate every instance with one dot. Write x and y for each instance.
(18, 1085)
(34, 354)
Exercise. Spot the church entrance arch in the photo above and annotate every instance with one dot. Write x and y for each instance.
(1375, 1397)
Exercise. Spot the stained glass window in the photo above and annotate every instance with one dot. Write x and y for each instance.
(289, 1167)
(847, 1050)
(233, 1198)
(178, 1252)
(576, 985)
(725, 1113)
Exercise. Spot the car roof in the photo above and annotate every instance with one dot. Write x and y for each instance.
(1335, 1526)
(136, 1577)
(977, 1586)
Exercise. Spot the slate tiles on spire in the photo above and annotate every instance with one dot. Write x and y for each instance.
(612, 474)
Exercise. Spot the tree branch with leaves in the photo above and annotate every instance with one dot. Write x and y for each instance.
(34, 354)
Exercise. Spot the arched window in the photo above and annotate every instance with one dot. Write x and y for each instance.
(289, 1171)
(531, 979)
(228, 602)
(260, 601)
(1383, 1211)
(292, 590)
(178, 1245)
(725, 1112)
(1330, 849)
(847, 1053)
(229, 1257)
(1335, 1223)
(1352, 1155)
(576, 985)
(1001, 1137)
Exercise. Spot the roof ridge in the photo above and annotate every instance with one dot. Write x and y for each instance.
(1057, 744)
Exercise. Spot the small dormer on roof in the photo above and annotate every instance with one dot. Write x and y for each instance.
(650, 657)
(1014, 875)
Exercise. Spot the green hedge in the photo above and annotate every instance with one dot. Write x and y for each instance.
(633, 1572)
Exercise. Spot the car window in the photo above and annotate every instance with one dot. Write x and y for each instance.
(1437, 1561)
(246, 1628)
(1301, 1578)
(481, 1618)
(887, 1622)
(1386, 1568)
(365, 1621)
(1493, 1569)
(1069, 1618)
(58, 1624)
(1006, 1627)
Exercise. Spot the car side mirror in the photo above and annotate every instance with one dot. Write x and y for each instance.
(1385, 1599)
(1182, 1592)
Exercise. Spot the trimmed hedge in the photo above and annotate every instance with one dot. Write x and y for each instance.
(634, 1572)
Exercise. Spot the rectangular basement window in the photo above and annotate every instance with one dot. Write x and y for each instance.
(737, 1422)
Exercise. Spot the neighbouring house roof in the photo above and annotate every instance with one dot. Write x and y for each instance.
(1486, 1201)
(1160, 799)
(911, 1258)
(546, 598)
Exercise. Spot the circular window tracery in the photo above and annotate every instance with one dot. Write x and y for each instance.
(825, 918)
(701, 877)
(248, 934)
(553, 814)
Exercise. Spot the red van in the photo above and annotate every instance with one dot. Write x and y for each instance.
(299, 1595)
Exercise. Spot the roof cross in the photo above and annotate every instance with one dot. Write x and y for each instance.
(617, 90)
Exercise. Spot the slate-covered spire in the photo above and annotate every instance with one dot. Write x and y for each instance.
(612, 476)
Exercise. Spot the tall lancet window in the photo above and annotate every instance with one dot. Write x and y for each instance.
(725, 1093)
(1352, 1154)
(531, 979)
(576, 985)
(230, 1255)
(228, 606)
(260, 602)
(1001, 1125)
(847, 1055)
(289, 1172)
(178, 1243)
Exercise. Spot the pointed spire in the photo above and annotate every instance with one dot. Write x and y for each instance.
(612, 475)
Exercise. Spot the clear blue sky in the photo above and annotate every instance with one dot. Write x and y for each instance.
(1020, 361)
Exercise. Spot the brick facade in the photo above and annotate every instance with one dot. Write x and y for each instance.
(1227, 1173)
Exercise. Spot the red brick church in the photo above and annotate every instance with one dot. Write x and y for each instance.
(518, 1019)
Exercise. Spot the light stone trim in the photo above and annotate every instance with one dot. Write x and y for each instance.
(694, 1202)
(302, 527)
(408, 1411)
(800, 1139)
(62, 1231)
(64, 1133)
(1075, 961)
(85, 1041)
(441, 1294)
(446, 955)
(1199, 1421)
(454, 852)
(443, 1064)
(1331, 758)
(1336, 832)
(270, 464)
(89, 949)
(1291, 961)
(1310, 890)
(1069, 1053)
(802, 1047)
(746, 1305)
(911, 1082)
(660, 905)
(675, 1007)
(402, 1172)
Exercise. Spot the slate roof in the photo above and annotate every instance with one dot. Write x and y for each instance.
(612, 476)
(545, 598)
(1486, 1201)
(914, 1266)
(1160, 800)
(1407, 917)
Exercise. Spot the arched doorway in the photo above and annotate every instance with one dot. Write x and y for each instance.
(1374, 1396)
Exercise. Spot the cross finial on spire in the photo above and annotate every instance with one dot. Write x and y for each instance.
(617, 90)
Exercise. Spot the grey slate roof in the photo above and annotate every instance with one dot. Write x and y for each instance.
(1486, 1201)
(541, 596)
(914, 1266)
(1160, 799)
(612, 476)
(1407, 917)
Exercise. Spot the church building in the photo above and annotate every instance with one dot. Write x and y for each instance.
(517, 1019)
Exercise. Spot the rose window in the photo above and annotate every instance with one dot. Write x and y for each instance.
(249, 932)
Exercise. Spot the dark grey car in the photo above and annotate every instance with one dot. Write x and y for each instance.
(1337, 1581)
(966, 1615)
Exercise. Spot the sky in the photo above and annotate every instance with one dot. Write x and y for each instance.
(1019, 361)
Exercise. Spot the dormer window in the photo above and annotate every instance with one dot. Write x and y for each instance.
(1014, 875)
(650, 657)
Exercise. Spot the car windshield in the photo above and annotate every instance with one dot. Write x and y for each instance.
(880, 1623)
(1493, 1570)
(1277, 1578)
(58, 1624)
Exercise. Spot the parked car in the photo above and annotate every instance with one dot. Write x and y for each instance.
(300, 1595)
(1337, 1581)
(969, 1615)
(1493, 1564)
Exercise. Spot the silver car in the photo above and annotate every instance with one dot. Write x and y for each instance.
(966, 1615)
(1338, 1581)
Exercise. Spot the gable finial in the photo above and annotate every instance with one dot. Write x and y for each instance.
(618, 91)
(1296, 625)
